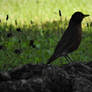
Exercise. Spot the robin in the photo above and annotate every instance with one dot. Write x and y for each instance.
(71, 38)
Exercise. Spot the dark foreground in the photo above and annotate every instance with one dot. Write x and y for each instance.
(73, 77)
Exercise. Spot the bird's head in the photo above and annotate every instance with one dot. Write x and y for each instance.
(77, 17)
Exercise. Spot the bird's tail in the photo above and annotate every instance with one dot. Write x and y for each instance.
(51, 59)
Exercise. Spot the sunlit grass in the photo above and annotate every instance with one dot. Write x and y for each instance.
(42, 10)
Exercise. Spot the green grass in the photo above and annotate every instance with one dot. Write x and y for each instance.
(45, 30)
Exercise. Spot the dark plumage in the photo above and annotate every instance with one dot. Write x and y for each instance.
(71, 38)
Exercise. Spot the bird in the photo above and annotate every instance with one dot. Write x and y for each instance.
(71, 38)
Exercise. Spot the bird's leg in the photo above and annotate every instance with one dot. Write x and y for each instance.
(69, 58)
(66, 58)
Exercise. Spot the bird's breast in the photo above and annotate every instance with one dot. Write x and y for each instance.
(78, 33)
(77, 36)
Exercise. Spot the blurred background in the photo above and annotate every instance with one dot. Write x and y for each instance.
(30, 30)
(42, 10)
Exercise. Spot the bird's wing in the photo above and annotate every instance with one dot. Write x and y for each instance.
(65, 41)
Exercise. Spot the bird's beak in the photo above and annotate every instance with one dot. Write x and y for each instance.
(86, 15)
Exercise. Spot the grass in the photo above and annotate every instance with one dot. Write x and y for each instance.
(34, 28)
(41, 10)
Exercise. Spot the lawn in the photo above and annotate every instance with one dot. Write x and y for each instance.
(30, 30)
